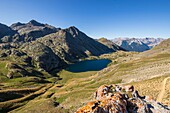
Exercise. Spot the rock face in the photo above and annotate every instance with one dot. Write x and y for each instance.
(71, 44)
(33, 30)
(110, 44)
(25, 32)
(7, 34)
(6, 31)
(121, 99)
(43, 57)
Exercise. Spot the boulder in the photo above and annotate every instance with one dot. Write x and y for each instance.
(10, 75)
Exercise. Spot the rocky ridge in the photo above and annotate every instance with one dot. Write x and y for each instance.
(32, 30)
(122, 99)
(29, 45)
(71, 44)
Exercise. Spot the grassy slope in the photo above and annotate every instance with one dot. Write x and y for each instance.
(78, 91)
(152, 87)
(3, 71)
(145, 73)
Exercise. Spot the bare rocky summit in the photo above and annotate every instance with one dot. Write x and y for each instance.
(33, 30)
(122, 99)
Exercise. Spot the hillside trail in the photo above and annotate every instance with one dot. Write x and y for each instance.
(162, 92)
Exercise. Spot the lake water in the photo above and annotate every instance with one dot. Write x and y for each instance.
(88, 65)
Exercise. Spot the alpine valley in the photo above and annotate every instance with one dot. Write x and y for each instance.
(35, 59)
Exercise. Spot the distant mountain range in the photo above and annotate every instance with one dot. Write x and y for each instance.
(137, 44)
(151, 42)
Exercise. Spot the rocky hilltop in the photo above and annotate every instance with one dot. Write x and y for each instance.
(121, 99)
(33, 30)
(137, 44)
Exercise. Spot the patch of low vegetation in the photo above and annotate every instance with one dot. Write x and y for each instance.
(72, 90)
(66, 75)
(153, 87)
(12, 104)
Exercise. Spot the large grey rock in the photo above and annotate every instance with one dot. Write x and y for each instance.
(116, 99)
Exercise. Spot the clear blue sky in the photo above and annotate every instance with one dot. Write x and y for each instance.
(97, 18)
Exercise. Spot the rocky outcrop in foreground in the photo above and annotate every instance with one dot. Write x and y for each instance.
(122, 99)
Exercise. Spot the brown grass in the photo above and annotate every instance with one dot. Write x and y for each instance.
(11, 104)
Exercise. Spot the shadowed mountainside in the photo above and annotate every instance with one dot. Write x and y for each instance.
(71, 44)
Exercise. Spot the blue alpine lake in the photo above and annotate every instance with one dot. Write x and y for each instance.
(88, 65)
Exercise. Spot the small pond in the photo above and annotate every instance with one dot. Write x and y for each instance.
(88, 65)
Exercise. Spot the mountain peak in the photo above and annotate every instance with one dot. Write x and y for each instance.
(73, 30)
(35, 23)
(16, 24)
(73, 27)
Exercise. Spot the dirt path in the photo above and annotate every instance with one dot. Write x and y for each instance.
(161, 94)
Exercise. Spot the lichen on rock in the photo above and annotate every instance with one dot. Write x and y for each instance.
(122, 99)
